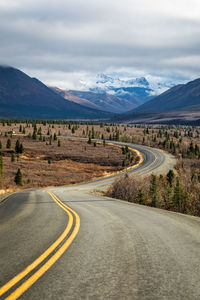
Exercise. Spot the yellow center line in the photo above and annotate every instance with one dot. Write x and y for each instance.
(155, 156)
(22, 288)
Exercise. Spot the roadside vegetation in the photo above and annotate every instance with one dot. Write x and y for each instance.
(44, 157)
(36, 154)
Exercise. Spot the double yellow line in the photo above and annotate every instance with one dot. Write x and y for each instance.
(32, 279)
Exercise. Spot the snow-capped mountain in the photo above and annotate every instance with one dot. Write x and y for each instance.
(116, 92)
(124, 86)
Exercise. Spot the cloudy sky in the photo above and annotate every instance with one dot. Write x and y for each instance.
(62, 42)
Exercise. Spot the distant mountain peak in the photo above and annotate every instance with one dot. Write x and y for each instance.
(125, 86)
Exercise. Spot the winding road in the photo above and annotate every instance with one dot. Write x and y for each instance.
(69, 243)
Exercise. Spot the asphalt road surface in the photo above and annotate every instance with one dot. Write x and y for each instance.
(68, 243)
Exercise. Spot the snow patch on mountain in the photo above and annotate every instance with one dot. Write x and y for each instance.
(121, 84)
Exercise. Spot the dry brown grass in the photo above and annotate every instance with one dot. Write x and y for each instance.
(73, 162)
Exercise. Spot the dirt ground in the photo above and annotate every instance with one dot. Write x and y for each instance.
(44, 164)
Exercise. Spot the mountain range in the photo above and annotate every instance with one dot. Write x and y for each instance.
(178, 105)
(113, 94)
(178, 97)
(123, 85)
(24, 97)
(100, 101)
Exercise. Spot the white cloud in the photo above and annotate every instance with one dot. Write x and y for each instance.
(68, 39)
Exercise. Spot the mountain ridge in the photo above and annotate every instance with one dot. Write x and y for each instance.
(24, 97)
(178, 97)
(178, 105)
(101, 101)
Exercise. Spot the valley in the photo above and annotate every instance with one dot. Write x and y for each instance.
(49, 159)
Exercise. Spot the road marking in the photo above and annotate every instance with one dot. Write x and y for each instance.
(31, 280)
(155, 156)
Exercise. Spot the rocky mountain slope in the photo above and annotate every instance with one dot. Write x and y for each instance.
(101, 101)
(179, 97)
(24, 97)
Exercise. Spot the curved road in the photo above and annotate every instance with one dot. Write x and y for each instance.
(68, 243)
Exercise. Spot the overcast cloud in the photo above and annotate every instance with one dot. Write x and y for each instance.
(62, 42)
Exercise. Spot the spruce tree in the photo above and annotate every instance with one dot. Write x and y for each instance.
(153, 190)
(34, 136)
(55, 137)
(18, 177)
(8, 144)
(170, 177)
(17, 146)
(92, 132)
(178, 195)
(89, 140)
(141, 197)
(13, 157)
(21, 148)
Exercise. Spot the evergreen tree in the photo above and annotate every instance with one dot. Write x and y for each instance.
(39, 132)
(21, 148)
(18, 177)
(196, 150)
(0, 145)
(170, 177)
(89, 140)
(55, 137)
(8, 144)
(34, 135)
(92, 132)
(153, 190)
(117, 135)
(179, 197)
(13, 157)
(17, 146)
(141, 197)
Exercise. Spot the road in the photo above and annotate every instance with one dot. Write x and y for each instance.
(69, 243)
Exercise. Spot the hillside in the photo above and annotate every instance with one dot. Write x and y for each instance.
(101, 101)
(179, 97)
(179, 105)
(24, 97)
